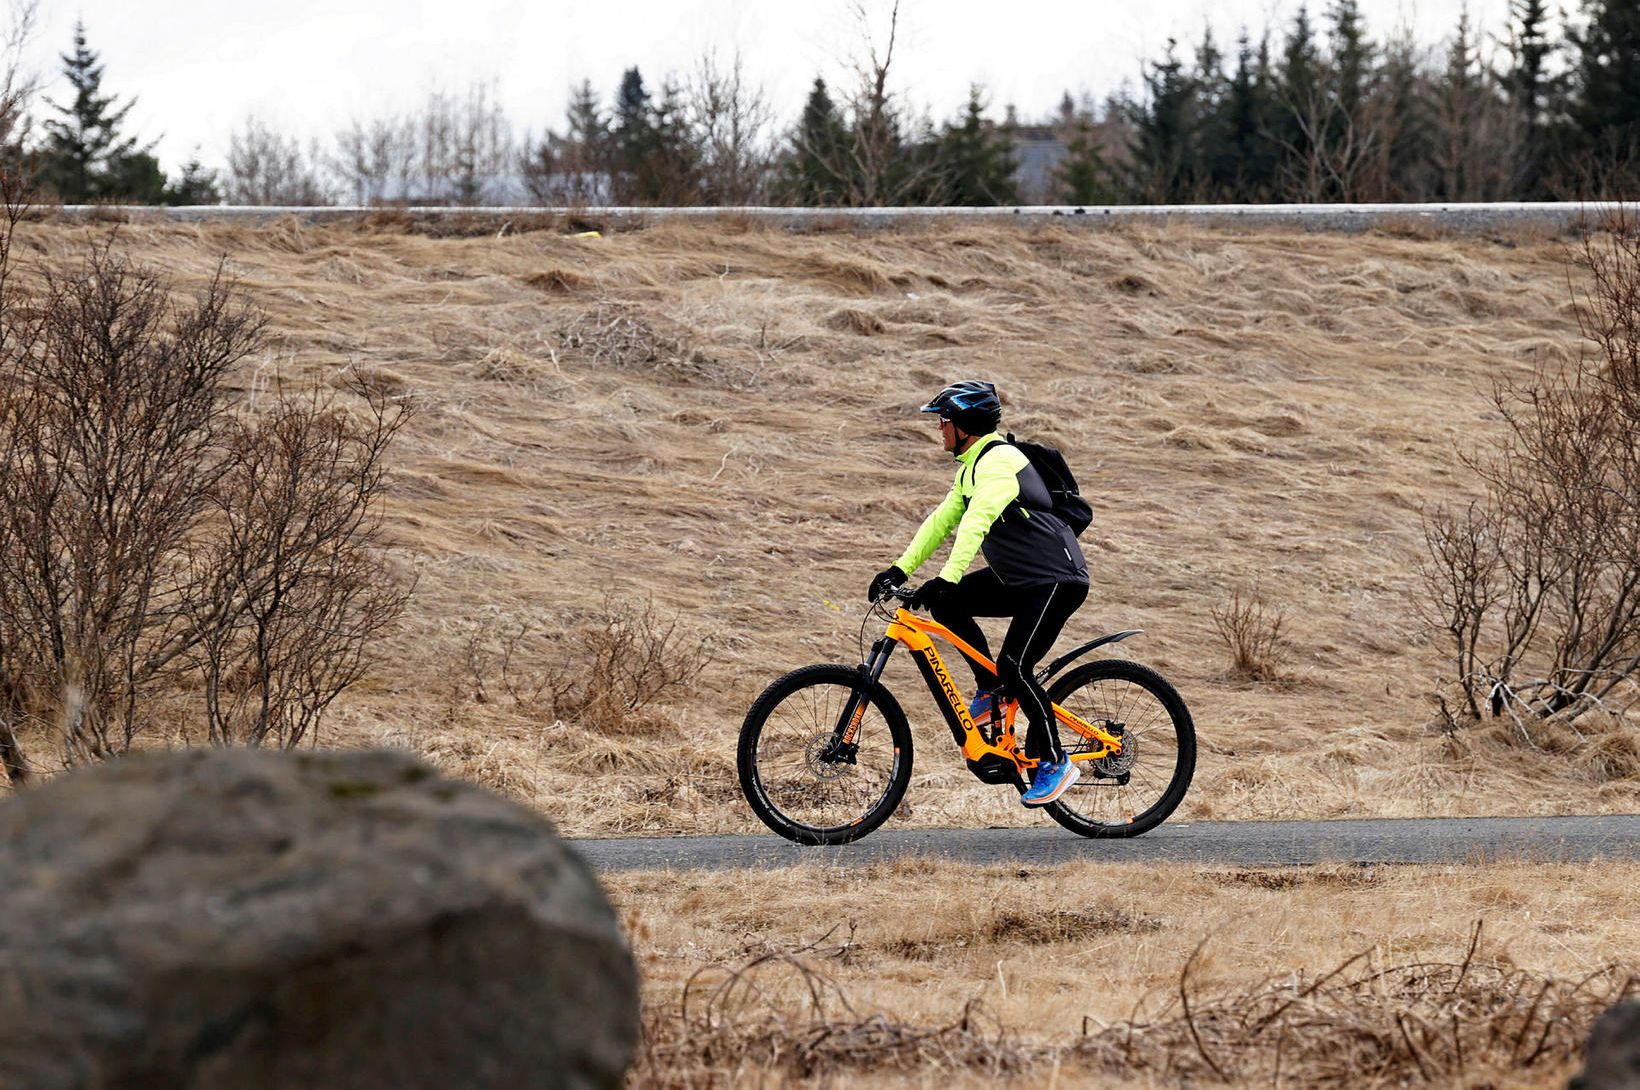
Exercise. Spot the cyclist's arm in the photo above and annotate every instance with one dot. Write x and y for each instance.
(933, 532)
(996, 485)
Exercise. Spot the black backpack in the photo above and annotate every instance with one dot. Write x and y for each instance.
(1068, 504)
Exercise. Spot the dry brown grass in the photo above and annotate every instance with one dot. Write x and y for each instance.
(929, 974)
(722, 417)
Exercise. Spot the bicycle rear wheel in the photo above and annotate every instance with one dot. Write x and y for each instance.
(1133, 791)
(790, 773)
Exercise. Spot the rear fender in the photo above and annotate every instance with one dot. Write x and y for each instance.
(1075, 653)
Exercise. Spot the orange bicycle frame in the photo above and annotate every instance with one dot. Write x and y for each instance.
(914, 633)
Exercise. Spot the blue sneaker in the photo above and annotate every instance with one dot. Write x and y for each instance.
(983, 706)
(1050, 782)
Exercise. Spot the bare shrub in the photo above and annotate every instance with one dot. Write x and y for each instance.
(1251, 632)
(620, 664)
(729, 121)
(266, 167)
(464, 147)
(375, 160)
(292, 585)
(605, 672)
(502, 658)
(155, 543)
(1413, 1021)
(457, 150)
(1536, 587)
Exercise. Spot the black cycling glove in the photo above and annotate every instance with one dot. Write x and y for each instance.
(932, 593)
(885, 581)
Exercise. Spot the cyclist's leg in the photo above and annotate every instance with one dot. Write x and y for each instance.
(1042, 613)
(978, 594)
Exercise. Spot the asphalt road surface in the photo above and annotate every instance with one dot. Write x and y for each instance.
(1243, 843)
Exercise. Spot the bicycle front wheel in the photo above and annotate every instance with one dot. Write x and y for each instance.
(794, 777)
(1133, 791)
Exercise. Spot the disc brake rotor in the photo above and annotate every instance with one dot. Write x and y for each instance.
(818, 768)
(1118, 764)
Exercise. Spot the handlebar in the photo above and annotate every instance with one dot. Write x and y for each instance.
(902, 593)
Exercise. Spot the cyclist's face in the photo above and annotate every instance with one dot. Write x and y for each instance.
(948, 434)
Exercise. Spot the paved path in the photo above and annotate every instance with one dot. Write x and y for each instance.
(1246, 843)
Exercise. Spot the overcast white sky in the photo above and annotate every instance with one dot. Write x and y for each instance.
(198, 68)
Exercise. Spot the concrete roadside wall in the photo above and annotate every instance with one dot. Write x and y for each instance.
(1461, 218)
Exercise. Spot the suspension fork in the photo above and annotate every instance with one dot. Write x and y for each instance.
(845, 734)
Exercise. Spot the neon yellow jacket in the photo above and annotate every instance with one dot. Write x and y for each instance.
(1024, 542)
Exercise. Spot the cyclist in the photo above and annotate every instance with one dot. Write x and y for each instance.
(1037, 575)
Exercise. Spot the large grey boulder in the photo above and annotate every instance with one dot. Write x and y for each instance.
(246, 919)
(1613, 1062)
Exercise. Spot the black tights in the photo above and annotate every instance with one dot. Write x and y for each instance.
(1039, 613)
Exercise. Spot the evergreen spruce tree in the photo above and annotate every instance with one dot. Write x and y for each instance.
(586, 136)
(1407, 151)
(1527, 81)
(915, 173)
(1353, 59)
(973, 160)
(1215, 158)
(1529, 86)
(576, 167)
(1605, 108)
(812, 173)
(1345, 132)
(1253, 114)
(85, 155)
(1066, 116)
(196, 185)
(136, 179)
(671, 171)
(1162, 149)
(632, 141)
(1083, 176)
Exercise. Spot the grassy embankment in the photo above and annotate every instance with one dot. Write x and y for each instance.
(722, 419)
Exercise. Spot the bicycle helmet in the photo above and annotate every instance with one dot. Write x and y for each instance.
(971, 405)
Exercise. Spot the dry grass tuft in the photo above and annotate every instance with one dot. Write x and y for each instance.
(1420, 228)
(935, 973)
(1301, 877)
(1041, 927)
(1612, 756)
(629, 338)
(854, 320)
(557, 281)
(855, 276)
